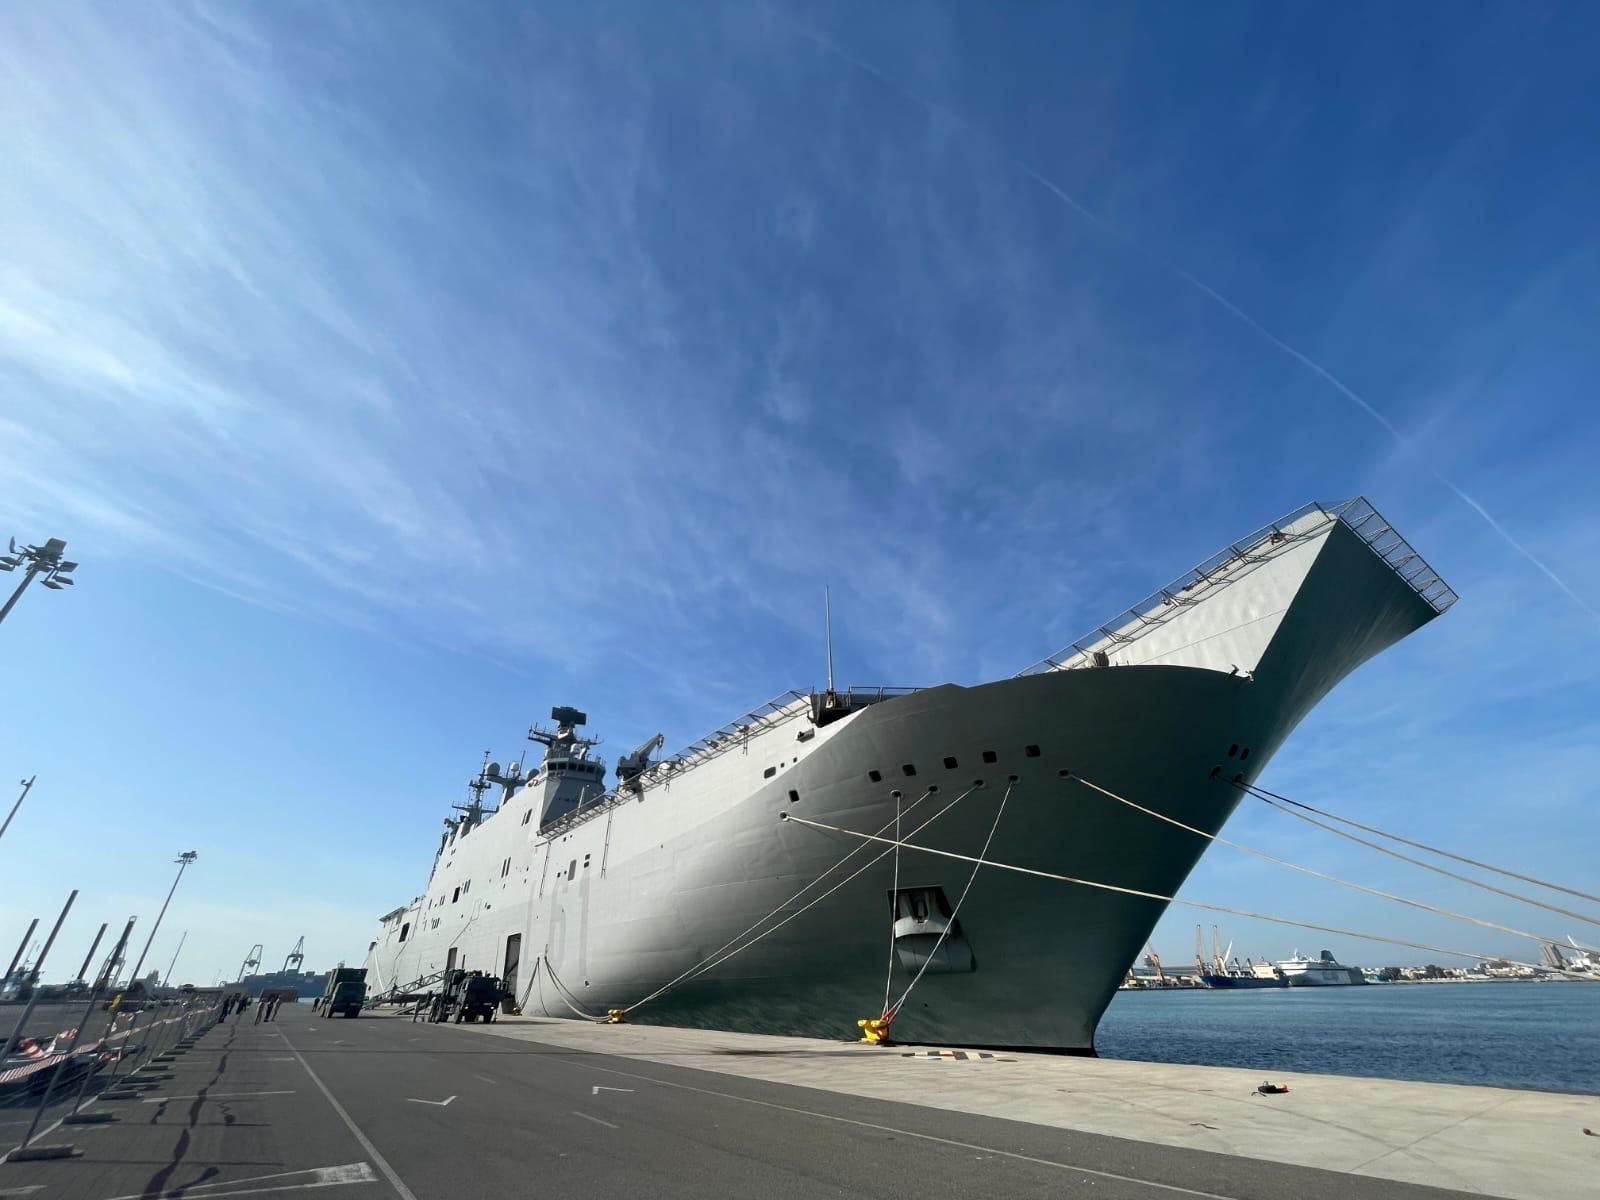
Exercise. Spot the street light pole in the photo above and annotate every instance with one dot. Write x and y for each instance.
(166, 980)
(183, 860)
(27, 785)
(43, 560)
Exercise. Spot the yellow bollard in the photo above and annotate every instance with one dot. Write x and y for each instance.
(616, 1016)
(875, 1030)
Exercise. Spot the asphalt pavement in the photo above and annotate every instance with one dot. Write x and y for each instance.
(382, 1107)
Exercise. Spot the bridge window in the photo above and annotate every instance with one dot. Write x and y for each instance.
(405, 931)
(572, 869)
(456, 895)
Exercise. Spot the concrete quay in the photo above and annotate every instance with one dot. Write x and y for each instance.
(1487, 1141)
(384, 1108)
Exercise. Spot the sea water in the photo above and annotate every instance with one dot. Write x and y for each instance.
(1522, 1035)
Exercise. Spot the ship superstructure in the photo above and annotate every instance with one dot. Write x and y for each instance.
(587, 897)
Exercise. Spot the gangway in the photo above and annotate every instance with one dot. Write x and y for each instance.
(405, 993)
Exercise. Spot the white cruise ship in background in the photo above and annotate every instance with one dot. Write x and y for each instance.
(586, 897)
(1322, 971)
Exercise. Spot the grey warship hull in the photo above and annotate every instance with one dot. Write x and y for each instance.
(1174, 706)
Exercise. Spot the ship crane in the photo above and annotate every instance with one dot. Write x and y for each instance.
(296, 956)
(630, 766)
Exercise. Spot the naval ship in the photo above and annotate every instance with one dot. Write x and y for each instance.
(585, 894)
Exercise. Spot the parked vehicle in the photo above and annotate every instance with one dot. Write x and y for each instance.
(347, 991)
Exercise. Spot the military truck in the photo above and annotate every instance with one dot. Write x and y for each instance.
(347, 990)
(467, 996)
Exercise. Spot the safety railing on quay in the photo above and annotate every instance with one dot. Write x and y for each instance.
(53, 1069)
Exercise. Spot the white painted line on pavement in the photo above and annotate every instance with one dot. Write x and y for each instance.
(598, 1088)
(439, 1103)
(320, 1177)
(22, 1191)
(214, 1096)
(926, 1137)
(366, 1143)
(486, 1079)
(596, 1120)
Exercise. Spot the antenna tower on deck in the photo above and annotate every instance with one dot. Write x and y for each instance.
(827, 627)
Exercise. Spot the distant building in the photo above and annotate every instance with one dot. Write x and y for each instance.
(308, 985)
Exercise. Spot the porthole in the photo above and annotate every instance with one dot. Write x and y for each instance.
(989, 756)
(875, 776)
(933, 788)
(909, 769)
(1031, 751)
(977, 783)
(1239, 778)
(1216, 771)
(1244, 754)
(769, 772)
(950, 764)
(1233, 749)
(794, 796)
(1014, 778)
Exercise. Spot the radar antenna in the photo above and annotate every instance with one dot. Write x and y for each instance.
(472, 813)
(563, 741)
(509, 780)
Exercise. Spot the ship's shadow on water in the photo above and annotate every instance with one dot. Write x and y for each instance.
(1544, 1036)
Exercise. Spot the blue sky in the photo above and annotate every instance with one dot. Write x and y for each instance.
(396, 373)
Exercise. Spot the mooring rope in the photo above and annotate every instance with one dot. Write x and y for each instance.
(561, 991)
(1293, 866)
(712, 960)
(528, 991)
(1278, 802)
(888, 1011)
(1217, 908)
(894, 901)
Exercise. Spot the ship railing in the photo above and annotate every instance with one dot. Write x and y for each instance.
(736, 734)
(1243, 555)
(1359, 514)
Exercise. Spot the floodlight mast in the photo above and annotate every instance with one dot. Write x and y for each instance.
(42, 560)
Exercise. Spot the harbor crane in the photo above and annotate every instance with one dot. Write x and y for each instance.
(1153, 960)
(296, 956)
(252, 961)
